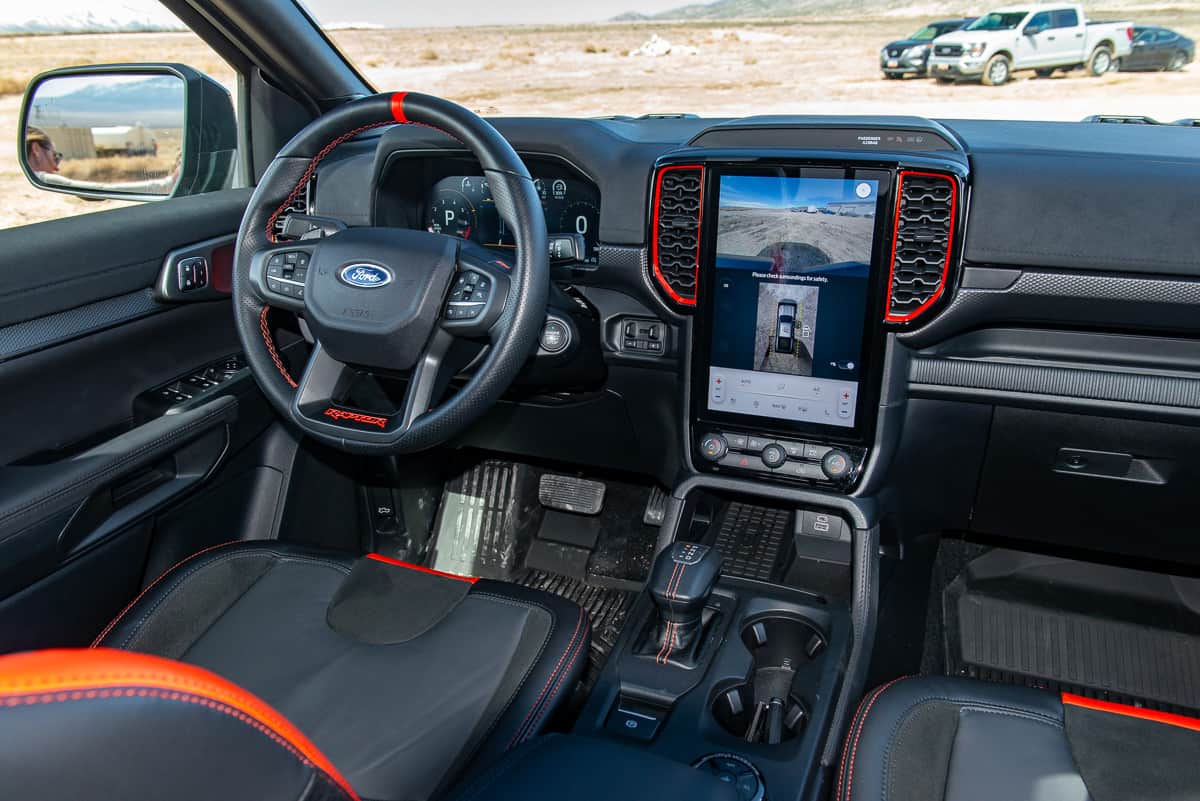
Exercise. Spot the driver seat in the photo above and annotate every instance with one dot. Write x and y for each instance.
(401, 679)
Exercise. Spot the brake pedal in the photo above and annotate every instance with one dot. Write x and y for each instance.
(656, 507)
(571, 494)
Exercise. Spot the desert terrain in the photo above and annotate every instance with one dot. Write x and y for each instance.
(752, 232)
(811, 66)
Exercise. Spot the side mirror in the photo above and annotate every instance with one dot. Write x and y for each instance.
(128, 132)
(1033, 30)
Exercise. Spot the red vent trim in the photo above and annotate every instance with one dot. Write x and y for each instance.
(654, 251)
(941, 289)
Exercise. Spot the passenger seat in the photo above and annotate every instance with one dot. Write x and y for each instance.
(937, 738)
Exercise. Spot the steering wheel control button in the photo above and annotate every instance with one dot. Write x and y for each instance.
(555, 336)
(713, 447)
(837, 465)
(774, 455)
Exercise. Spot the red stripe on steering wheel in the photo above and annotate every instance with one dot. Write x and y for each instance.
(398, 107)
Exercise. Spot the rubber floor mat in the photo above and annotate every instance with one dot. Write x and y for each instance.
(1015, 640)
(606, 608)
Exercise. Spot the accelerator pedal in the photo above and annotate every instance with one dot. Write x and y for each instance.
(570, 494)
(656, 507)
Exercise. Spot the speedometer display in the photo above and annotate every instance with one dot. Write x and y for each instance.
(462, 205)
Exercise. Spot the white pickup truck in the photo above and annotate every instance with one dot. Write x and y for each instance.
(1029, 37)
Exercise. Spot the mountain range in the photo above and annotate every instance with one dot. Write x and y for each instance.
(74, 17)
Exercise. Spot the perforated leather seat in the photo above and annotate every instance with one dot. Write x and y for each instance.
(400, 679)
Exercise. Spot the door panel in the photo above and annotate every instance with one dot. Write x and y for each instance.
(65, 264)
(86, 466)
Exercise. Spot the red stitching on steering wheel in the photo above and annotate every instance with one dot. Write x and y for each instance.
(312, 166)
(270, 343)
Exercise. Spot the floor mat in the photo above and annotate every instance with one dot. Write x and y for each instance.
(1041, 626)
(606, 608)
(492, 525)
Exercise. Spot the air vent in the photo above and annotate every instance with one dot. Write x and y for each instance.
(922, 245)
(301, 205)
(675, 248)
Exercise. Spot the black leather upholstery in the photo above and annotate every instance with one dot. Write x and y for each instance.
(951, 739)
(401, 718)
(80, 725)
(557, 768)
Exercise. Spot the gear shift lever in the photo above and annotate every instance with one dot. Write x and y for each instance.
(682, 579)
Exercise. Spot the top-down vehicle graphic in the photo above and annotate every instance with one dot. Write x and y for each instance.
(387, 414)
(785, 327)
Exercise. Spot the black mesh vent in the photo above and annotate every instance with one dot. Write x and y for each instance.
(924, 230)
(677, 233)
(301, 205)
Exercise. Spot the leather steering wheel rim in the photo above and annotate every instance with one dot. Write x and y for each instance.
(513, 334)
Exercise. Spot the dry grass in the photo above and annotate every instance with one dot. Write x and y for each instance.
(117, 169)
(812, 66)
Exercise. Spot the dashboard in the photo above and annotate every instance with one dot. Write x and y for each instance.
(451, 196)
(1048, 362)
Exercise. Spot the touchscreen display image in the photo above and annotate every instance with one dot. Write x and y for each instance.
(793, 262)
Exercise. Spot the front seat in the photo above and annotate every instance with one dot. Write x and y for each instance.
(952, 739)
(399, 678)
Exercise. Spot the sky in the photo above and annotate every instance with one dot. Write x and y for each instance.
(763, 191)
(385, 13)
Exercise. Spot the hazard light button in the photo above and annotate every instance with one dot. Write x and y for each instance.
(744, 461)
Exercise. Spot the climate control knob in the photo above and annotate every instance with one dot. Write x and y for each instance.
(837, 465)
(713, 447)
(774, 456)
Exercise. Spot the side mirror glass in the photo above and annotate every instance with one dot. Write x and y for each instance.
(131, 132)
(1033, 30)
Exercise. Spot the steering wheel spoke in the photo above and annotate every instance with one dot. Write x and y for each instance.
(279, 274)
(477, 293)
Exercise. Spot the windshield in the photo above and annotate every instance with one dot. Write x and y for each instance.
(998, 22)
(734, 58)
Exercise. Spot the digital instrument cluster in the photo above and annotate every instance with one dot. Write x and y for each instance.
(463, 206)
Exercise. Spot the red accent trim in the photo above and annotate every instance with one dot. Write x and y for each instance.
(887, 309)
(662, 280)
(850, 752)
(270, 343)
(62, 675)
(1168, 718)
(387, 560)
(221, 276)
(112, 624)
(354, 417)
(398, 107)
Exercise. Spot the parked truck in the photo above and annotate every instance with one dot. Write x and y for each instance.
(1043, 38)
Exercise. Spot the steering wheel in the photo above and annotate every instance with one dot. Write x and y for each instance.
(389, 299)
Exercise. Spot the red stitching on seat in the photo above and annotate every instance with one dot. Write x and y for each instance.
(270, 343)
(88, 695)
(517, 735)
(96, 642)
(862, 722)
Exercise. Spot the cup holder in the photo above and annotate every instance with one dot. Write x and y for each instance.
(769, 707)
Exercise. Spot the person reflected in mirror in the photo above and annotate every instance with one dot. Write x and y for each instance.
(40, 154)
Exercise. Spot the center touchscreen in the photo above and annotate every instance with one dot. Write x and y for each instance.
(793, 261)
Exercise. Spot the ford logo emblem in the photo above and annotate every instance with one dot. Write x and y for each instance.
(365, 276)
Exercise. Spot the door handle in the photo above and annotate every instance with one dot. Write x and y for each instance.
(1051, 38)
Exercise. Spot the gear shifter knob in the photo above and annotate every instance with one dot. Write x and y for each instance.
(680, 583)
